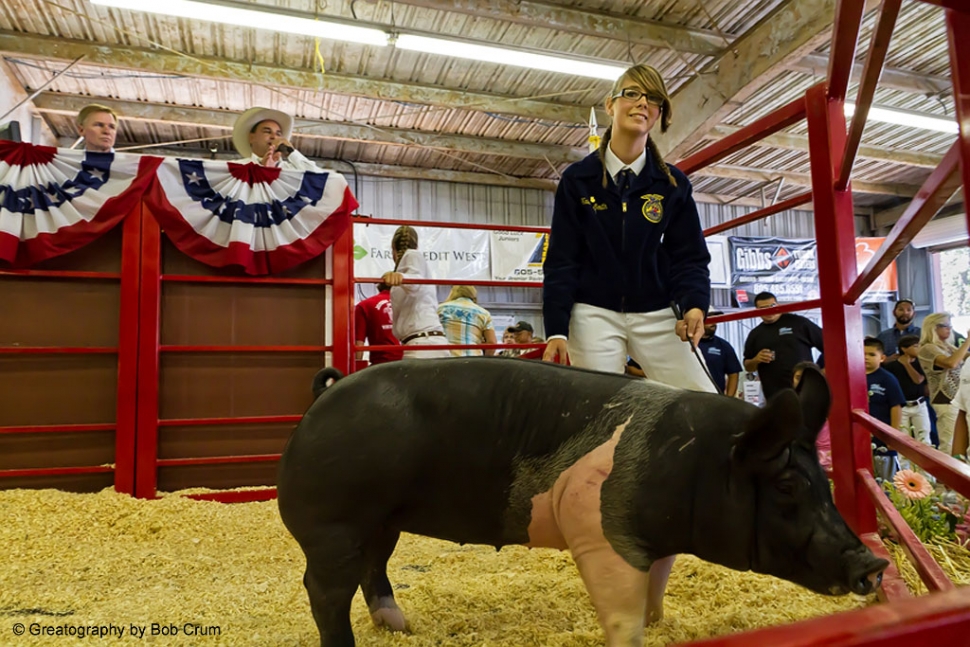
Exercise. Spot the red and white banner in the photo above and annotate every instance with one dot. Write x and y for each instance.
(54, 201)
(264, 220)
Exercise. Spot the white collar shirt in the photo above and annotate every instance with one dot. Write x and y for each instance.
(414, 307)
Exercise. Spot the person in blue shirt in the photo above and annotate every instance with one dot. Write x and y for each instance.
(886, 402)
(904, 311)
(626, 243)
(721, 359)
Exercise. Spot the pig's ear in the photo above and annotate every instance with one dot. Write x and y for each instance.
(769, 433)
(813, 391)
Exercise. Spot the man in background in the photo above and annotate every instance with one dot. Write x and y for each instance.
(262, 136)
(903, 311)
(374, 322)
(777, 344)
(721, 359)
(98, 127)
(522, 334)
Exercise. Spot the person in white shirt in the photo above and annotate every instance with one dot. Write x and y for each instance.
(415, 306)
(262, 136)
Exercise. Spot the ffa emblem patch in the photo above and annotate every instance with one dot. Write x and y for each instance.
(653, 208)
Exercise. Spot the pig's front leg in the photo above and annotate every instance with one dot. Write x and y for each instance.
(618, 592)
(659, 572)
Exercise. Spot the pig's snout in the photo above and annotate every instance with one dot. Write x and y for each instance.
(865, 572)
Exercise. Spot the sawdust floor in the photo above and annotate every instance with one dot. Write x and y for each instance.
(231, 575)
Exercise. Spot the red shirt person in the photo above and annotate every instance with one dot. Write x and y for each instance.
(373, 320)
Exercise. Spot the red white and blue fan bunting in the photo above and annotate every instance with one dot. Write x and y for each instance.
(263, 220)
(55, 201)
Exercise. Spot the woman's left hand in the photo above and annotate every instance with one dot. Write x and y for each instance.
(691, 327)
(392, 279)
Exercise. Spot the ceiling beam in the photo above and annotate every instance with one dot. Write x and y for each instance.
(891, 78)
(70, 104)
(158, 61)
(599, 24)
(802, 179)
(49, 102)
(878, 153)
(794, 30)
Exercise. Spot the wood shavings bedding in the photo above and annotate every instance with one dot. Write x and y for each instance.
(953, 558)
(232, 575)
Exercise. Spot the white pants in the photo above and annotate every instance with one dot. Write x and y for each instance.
(601, 339)
(425, 342)
(916, 421)
(946, 420)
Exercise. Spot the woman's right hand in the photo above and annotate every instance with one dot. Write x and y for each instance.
(392, 279)
(556, 351)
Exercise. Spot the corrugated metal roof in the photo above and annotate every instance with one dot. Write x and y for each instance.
(919, 47)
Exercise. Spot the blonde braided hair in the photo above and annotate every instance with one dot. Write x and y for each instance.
(405, 238)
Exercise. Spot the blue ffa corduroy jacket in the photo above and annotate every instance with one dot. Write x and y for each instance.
(634, 252)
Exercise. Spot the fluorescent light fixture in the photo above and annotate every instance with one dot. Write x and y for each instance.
(252, 18)
(501, 56)
(901, 118)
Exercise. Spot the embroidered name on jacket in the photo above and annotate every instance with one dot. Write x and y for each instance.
(653, 208)
(597, 206)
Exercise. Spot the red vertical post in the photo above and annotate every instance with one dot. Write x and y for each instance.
(126, 407)
(146, 467)
(845, 36)
(343, 293)
(958, 33)
(841, 324)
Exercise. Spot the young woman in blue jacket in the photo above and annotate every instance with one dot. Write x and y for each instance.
(626, 243)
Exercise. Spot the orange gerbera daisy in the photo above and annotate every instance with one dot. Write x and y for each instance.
(913, 484)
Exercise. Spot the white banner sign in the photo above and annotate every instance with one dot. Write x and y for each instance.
(459, 254)
(518, 255)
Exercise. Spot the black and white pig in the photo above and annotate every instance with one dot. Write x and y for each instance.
(624, 473)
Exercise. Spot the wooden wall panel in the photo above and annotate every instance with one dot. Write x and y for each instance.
(59, 312)
(57, 389)
(223, 440)
(217, 385)
(219, 477)
(61, 389)
(245, 315)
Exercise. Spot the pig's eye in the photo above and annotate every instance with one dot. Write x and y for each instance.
(788, 485)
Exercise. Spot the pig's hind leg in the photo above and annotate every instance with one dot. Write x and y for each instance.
(659, 573)
(377, 589)
(335, 565)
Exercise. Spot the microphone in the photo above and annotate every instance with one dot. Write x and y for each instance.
(283, 148)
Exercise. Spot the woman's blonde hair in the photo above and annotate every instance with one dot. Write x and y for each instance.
(404, 238)
(649, 79)
(463, 291)
(928, 334)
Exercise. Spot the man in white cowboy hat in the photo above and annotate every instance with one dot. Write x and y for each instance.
(262, 135)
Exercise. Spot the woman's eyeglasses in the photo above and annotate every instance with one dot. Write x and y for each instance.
(633, 94)
(944, 325)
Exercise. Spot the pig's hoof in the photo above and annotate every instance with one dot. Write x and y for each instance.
(655, 615)
(391, 619)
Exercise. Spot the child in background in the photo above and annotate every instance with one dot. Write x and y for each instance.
(823, 443)
(886, 402)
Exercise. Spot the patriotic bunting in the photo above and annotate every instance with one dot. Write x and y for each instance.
(263, 220)
(54, 201)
